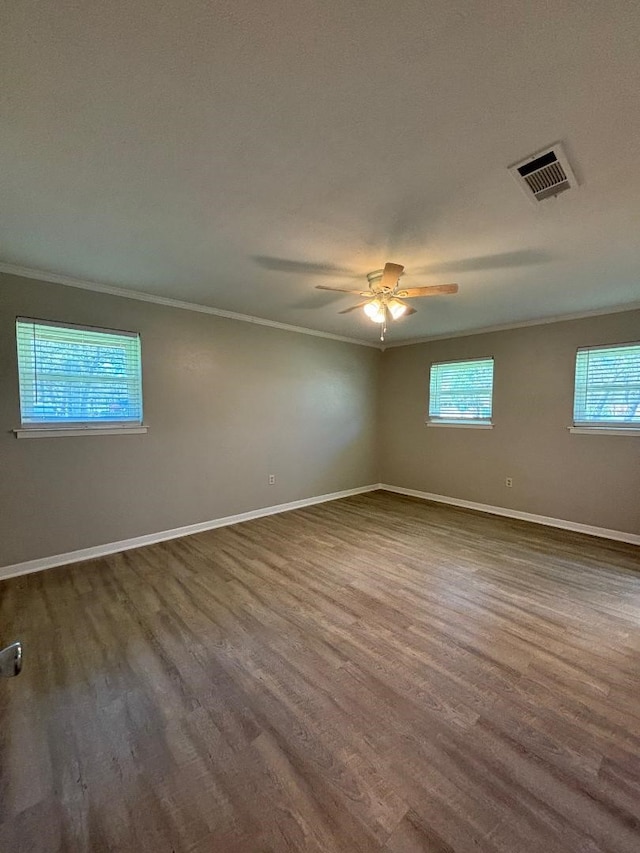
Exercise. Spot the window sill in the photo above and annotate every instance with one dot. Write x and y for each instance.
(459, 424)
(66, 432)
(583, 430)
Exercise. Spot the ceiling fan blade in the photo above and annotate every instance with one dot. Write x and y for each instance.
(353, 307)
(341, 290)
(390, 276)
(409, 311)
(433, 290)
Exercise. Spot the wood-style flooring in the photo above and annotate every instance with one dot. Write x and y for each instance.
(373, 674)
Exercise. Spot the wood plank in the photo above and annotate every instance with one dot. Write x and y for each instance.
(373, 674)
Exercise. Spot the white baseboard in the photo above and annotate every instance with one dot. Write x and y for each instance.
(151, 538)
(575, 527)
(164, 535)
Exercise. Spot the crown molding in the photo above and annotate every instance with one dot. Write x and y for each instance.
(141, 296)
(505, 327)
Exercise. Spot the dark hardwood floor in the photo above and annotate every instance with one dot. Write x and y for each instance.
(373, 674)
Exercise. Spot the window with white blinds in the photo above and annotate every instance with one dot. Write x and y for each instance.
(607, 388)
(461, 392)
(75, 375)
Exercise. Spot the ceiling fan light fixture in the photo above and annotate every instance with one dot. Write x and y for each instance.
(396, 308)
(384, 299)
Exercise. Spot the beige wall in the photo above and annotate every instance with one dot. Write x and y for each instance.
(227, 403)
(591, 479)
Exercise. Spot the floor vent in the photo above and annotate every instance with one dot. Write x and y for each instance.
(544, 174)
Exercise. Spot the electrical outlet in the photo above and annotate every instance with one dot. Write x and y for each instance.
(272, 479)
(509, 482)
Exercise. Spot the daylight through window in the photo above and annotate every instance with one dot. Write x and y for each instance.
(78, 375)
(607, 388)
(461, 392)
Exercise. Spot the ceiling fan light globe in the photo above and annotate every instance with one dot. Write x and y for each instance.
(370, 309)
(396, 308)
(374, 311)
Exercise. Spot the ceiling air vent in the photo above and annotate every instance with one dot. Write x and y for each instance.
(544, 174)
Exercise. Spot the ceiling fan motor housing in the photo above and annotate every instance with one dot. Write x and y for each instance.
(374, 278)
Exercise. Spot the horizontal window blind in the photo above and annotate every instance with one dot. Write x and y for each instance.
(78, 375)
(607, 389)
(461, 391)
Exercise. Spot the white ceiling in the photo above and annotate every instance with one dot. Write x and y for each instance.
(172, 147)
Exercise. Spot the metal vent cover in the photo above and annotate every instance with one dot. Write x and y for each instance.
(544, 174)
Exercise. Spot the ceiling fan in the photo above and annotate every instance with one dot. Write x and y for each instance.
(384, 299)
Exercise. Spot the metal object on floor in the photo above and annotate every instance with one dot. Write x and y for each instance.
(11, 660)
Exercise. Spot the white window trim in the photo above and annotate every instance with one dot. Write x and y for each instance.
(461, 424)
(67, 432)
(604, 430)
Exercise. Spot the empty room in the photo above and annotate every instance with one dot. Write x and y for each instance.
(320, 444)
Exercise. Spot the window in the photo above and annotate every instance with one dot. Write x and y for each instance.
(75, 376)
(460, 392)
(607, 389)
